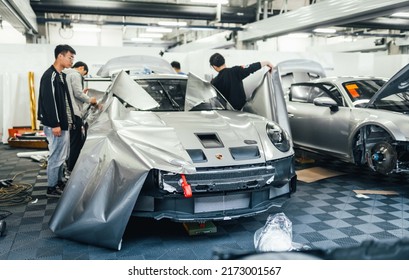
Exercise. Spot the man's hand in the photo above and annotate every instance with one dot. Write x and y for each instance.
(92, 100)
(56, 131)
(268, 64)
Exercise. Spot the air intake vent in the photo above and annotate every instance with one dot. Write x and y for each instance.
(197, 155)
(245, 153)
(210, 140)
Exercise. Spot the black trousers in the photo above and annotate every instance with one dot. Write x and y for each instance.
(77, 139)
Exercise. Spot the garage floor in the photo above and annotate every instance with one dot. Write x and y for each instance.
(325, 214)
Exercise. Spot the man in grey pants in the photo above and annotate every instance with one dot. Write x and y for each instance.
(55, 111)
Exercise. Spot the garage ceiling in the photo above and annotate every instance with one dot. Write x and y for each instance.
(251, 19)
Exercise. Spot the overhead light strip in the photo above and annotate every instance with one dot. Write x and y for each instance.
(142, 40)
(325, 30)
(222, 2)
(172, 23)
(401, 15)
(150, 35)
(158, 29)
(86, 28)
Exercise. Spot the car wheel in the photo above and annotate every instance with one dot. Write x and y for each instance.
(382, 158)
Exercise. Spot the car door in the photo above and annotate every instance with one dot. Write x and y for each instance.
(267, 100)
(318, 127)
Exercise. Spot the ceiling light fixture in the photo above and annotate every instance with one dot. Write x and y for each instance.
(222, 2)
(158, 29)
(325, 30)
(142, 40)
(86, 28)
(401, 15)
(150, 35)
(172, 23)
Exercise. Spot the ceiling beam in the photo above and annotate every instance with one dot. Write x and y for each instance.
(20, 15)
(146, 9)
(322, 14)
(382, 23)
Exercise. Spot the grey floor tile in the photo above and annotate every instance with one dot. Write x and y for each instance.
(325, 214)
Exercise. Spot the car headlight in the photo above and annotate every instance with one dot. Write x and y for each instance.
(278, 136)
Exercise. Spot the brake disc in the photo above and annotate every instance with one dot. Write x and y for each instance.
(383, 158)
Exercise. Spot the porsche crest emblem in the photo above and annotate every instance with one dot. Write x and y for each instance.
(219, 156)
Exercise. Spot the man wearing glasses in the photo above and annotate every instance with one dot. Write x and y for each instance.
(55, 112)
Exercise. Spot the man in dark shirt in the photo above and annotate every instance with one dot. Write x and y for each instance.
(229, 81)
(176, 66)
(55, 112)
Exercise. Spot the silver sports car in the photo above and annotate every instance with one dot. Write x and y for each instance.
(163, 145)
(363, 120)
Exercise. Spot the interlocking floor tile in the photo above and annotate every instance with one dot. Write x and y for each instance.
(325, 214)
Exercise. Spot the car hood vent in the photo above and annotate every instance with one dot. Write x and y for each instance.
(197, 155)
(245, 153)
(210, 140)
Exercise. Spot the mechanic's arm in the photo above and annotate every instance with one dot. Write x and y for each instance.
(77, 90)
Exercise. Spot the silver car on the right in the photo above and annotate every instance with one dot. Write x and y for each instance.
(362, 120)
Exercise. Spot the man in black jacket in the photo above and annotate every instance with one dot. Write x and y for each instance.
(229, 81)
(55, 112)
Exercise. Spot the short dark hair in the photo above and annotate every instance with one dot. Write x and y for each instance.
(63, 49)
(216, 60)
(79, 64)
(175, 64)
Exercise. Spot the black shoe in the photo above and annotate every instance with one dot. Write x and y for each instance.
(61, 185)
(2, 227)
(54, 192)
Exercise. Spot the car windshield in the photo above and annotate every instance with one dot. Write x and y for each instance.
(362, 90)
(397, 102)
(171, 95)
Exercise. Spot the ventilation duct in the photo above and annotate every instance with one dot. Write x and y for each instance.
(146, 9)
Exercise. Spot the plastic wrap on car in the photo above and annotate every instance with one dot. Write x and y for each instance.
(111, 169)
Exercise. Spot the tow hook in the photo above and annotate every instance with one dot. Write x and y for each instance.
(187, 191)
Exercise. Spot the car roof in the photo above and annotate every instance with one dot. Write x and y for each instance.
(135, 65)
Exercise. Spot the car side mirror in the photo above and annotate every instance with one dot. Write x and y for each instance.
(326, 102)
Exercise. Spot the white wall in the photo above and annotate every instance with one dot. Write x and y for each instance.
(18, 60)
(108, 37)
(9, 35)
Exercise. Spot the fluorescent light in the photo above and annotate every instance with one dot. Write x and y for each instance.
(325, 30)
(172, 23)
(401, 14)
(86, 28)
(159, 29)
(150, 35)
(198, 28)
(223, 2)
(141, 39)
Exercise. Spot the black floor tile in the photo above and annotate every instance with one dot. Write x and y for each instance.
(325, 214)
